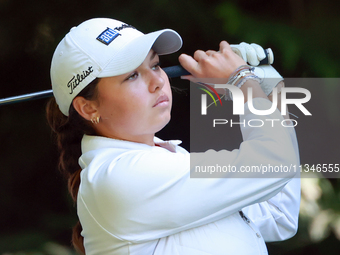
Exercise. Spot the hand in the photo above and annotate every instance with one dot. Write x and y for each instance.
(211, 64)
(253, 53)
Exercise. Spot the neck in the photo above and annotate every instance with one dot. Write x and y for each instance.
(145, 139)
(138, 139)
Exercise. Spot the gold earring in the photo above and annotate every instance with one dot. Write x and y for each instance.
(95, 120)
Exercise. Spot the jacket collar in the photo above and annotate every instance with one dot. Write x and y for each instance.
(90, 143)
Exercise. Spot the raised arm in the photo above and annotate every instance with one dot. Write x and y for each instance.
(218, 64)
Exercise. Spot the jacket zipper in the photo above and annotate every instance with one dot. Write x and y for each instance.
(248, 222)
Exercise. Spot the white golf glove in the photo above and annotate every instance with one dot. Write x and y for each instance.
(261, 59)
(253, 53)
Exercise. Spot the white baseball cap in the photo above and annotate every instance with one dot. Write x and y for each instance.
(102, 47)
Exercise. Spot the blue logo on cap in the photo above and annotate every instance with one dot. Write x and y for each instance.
(107, 36)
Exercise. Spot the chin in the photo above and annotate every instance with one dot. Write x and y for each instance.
(163, 124)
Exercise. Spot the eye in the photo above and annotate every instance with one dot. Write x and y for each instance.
(156, 67)
(132, 76)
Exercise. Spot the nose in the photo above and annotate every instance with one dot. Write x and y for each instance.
(156, 81)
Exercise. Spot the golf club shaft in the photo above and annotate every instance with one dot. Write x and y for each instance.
(172, 72)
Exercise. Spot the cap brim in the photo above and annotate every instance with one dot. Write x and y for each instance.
(134, 53)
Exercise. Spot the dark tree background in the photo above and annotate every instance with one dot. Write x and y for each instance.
(36, 213)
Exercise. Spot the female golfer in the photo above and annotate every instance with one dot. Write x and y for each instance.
(133, 191)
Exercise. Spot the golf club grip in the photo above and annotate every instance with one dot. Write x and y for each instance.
(175, 71)
(269, 59)
(172, 72)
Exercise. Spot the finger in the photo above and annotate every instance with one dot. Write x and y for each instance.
(199, 55)
(210, 52)
(188, 63)
(224, 46)
(259, 51)
(251, 54)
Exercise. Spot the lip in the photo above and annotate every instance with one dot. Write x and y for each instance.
(161, 99)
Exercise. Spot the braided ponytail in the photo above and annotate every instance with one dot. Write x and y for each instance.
(69, 131)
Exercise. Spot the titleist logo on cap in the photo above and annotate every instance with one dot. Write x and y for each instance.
(76, 80)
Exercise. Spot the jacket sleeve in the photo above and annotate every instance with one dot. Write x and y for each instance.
(277, 218)
(145, 195)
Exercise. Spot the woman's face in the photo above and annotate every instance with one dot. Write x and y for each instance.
(136, 105)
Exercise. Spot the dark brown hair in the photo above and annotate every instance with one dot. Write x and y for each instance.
(69, 132)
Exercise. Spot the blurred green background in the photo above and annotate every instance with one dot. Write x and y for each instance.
(36, 213)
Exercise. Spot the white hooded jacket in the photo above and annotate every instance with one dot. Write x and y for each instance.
(140, 199)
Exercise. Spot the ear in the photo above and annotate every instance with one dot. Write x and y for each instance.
(86, 108)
